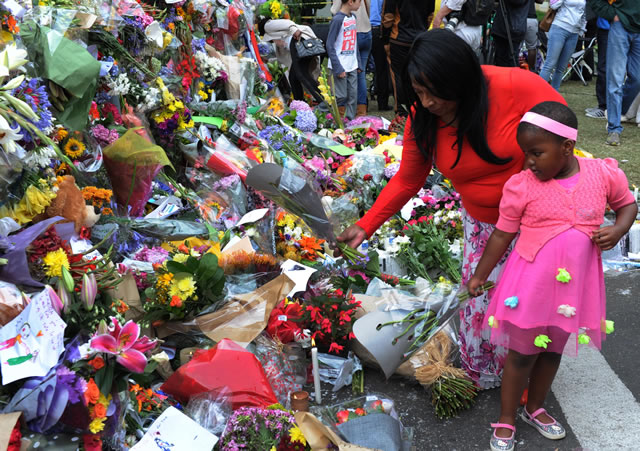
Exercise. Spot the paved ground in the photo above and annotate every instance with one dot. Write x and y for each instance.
(594, 395)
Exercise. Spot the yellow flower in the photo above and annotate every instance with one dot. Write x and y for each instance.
(276, 106)
(182, 286)
(74, 148)
(180, 258)
(296, 435)
(54, 261)
(165, 279)
(276, 9)
(97, 425)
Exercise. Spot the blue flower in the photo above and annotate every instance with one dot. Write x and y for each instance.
(306, 121)
(511, 302)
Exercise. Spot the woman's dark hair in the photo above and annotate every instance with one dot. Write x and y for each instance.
(261, 25)
(449, 69)
(553, 110)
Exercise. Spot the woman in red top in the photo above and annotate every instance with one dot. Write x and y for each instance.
(463, 120)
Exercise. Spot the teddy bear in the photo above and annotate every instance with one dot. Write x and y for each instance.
(70, 204)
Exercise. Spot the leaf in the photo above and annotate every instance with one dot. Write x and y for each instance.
(176, 267)
(104, 378)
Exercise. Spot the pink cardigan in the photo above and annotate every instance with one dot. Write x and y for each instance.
(543, 210)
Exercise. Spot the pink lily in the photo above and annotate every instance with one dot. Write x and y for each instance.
(89, 290)
(125, 343)
(56, 302)
(64, 296)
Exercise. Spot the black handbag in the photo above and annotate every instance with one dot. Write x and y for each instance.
(307, 48)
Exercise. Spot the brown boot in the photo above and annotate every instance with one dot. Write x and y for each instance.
(342, 110)
(362, 110)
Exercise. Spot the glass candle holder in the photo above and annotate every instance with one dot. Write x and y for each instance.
(300, 401)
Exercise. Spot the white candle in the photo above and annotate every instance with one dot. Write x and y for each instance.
(316, 373)
(635, 193)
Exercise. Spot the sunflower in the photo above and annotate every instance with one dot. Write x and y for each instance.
(74, 148)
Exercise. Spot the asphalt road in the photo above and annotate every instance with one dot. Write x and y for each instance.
(595, 395)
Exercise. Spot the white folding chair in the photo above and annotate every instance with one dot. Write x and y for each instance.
(577, 62)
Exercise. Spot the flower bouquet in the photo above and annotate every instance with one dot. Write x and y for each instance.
(330, 319)
(185, 284)
(264, 429)
(132, 163)
(370, 421)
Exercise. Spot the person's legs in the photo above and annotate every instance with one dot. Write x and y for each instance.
(601, 82)
(542, 375)
(300, 68)
(382, 70)
(340, 90)
(398, 61)
(517, 368)
(503, 56)
(294, 82)
(632, 84)
(557, 38)
(617, 50)
(352, 94)
(563, 60)
(531, 41)
(364, 48)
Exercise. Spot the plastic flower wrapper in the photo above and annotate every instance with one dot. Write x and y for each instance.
(374, 413)
(132, 163)
(210, 410)
(278, 369)
(224, 158)
(71, 71)
(406, 321)
(291, 188)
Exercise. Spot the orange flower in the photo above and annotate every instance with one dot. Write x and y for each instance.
(99, 411)
(97, 363)
(176, 301)
(107, 211)
(310, 245)
(184, 249)
(92, 394)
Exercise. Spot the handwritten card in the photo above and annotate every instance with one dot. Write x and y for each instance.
(31, 343)
(174, 431)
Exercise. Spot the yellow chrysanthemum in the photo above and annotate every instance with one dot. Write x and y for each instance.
(165, 279)
(276, 9)
(54, 261)
(296, 436)
(74, 148)
(33, 203)
(180, 258)
(182, 286)
(97, 425)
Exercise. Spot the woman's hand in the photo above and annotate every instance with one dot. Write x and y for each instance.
(474, 286)
(353, 236)
(297, 35)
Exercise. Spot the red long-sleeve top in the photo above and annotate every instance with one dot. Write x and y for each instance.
(512, 92)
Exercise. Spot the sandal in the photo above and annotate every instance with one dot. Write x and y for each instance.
(552, 431)
(500, 443)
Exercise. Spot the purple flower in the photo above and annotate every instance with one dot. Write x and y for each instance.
(299, 105)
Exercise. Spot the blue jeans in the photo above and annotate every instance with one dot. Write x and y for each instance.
(364, 47)
(562, 44)
(623, 59)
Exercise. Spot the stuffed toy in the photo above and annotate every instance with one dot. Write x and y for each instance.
(70, 204)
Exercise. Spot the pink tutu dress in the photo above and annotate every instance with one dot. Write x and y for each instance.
(538, 305)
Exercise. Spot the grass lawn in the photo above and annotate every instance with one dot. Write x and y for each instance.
(591, 132)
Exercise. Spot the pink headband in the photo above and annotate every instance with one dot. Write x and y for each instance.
(550, 125)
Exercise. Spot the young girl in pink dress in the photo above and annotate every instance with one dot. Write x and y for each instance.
(552, 285)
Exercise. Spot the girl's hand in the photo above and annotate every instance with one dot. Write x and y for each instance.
(607, 237)
(474, 286)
